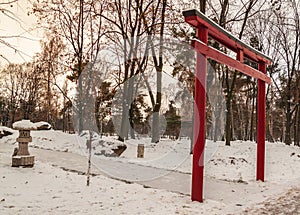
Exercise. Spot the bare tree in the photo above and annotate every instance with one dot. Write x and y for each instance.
(157, 26)
(132, 48)
(285, 26)
(81, 29)
(228, 19)
(48, 62)
(23, 87)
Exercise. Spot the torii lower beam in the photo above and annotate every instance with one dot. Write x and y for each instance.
(207, 28)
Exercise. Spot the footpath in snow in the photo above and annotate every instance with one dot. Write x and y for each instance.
(161, 181)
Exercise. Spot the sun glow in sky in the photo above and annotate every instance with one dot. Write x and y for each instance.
(18, 29)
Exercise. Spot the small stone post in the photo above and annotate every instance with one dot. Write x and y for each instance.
(21, 156)
(140, 151)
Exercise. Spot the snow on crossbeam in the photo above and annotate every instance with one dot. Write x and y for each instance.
(196, 18)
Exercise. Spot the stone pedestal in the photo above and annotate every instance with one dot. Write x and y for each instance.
(24, 160)
(140, 151)
(21, 156)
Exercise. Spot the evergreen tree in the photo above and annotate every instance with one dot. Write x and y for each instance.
(173, 121)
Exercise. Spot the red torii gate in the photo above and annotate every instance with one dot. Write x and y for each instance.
(208, 28)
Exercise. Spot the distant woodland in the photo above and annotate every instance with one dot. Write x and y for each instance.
(102, 66)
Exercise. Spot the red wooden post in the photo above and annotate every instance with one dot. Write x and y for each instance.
(240, 56)
(199, 119)
(261, 124)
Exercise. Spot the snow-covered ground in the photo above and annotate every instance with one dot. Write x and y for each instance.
(49, 190)
(161, 180)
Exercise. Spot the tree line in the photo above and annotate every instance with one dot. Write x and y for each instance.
(102, 67)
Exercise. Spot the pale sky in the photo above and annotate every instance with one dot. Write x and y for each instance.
(25, 27)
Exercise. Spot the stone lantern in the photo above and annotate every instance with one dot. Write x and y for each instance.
(21, 156)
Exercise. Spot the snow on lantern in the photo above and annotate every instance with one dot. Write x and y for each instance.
(21, 156)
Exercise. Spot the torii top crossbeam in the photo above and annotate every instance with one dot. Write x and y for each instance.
(196, 19)
(208, 28)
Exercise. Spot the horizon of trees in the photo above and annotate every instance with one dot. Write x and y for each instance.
(144, 38)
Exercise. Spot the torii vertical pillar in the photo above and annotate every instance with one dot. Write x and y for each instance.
(261, 124)
(199, 119)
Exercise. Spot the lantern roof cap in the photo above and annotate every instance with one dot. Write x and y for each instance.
(24, 125)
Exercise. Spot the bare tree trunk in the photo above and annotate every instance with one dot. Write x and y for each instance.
(156, 109)
(80, 66)
(89, 146)
(297, 113)
(269, 119)
(202, 5)
(251, 134)
(49, 85)
(233, 135)
(230, 86)
(297, 127)
(288, 125)
(131, 113)
(229, 96)
(125, 109)
(158, 62)
(283, 128)
(218, 112)
(246, 128)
